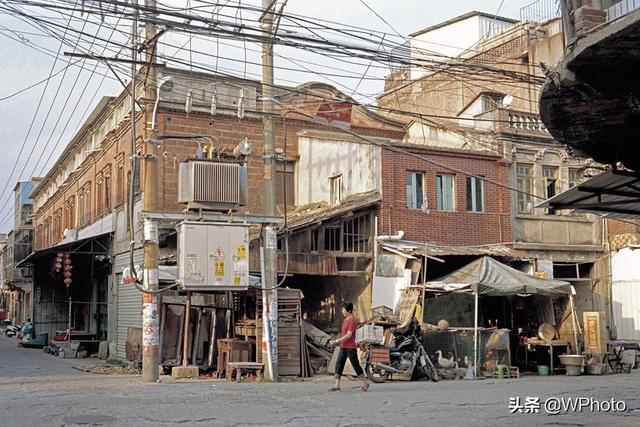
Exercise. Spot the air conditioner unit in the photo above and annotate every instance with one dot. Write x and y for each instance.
(212, 185)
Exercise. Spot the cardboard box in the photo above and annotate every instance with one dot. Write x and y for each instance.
(370, 334)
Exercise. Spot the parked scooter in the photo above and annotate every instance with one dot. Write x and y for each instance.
(407, 356)
(10, 329)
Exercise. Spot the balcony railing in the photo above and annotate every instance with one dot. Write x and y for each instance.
(510, 121)
(540, 11)
(622, 8)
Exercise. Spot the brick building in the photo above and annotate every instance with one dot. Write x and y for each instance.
(439, 201)
(486, 94)
(81, 207)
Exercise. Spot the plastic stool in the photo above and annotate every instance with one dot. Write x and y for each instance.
(501, 371)
(514, 372)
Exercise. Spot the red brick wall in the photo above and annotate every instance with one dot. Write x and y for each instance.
(621, 227)
(226, 131)
(447, 228)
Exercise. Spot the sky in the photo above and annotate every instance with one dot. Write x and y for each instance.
(30, 143)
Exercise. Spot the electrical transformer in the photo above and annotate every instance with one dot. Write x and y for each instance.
(213, 256)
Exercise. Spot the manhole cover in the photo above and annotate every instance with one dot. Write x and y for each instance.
(88, 420)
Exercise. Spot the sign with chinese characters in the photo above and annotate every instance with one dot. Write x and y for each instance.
(592, 341)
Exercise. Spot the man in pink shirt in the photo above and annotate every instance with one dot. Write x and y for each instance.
(348, 348)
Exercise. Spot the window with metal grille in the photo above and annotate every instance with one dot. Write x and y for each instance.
(332, 240)
(356, 233)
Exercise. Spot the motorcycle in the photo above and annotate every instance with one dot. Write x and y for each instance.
(10, 329)
(407, 356)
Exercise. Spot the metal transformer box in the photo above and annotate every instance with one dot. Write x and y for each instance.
(213, 256)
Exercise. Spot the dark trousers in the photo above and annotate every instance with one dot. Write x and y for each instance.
(352, 354)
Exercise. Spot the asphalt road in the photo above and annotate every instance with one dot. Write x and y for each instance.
(40, 390)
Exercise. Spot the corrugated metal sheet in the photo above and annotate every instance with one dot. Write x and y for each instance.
(626, 308)
(614, 193)
(129, 312)
(417, 248)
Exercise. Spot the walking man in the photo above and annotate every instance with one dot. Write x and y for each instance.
(348, 348)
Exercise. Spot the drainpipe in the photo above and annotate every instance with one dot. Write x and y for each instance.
(393, 238)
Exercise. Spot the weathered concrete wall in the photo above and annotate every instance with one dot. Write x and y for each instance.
(323, 157)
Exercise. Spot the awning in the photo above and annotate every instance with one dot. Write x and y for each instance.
(431, 250)
(614, 193)
(486, 276)
(88, 246)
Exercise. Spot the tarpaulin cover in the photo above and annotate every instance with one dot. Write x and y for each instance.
(486, 276)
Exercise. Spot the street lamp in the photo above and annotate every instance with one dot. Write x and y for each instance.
(161, 82)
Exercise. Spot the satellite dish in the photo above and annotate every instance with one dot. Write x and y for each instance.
(507, 101)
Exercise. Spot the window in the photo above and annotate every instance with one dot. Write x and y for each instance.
(474, 194)
(523, 184)
(444, 193)
(80, 209)
(332, 238)
(136, 175)
(336, 189)
(356, 234)
(550, 176)
(285, 181)
(72, 216)
(99, 190)
(120, 190)
(87, 207)
(415, 190)
(575, 177)
(107, 193)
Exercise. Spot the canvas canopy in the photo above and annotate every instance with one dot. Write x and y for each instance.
(486, 276)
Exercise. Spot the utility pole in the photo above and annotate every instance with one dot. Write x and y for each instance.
(269, 238)
(150, 318)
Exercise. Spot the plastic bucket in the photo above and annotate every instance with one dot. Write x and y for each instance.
(543, 370)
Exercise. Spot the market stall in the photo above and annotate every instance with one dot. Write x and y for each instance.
(486, 277)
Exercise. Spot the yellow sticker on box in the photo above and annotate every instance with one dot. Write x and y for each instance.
(236, 280)
(219, 268)
(241, 251)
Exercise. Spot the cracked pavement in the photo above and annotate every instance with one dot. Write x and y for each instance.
(37, 389)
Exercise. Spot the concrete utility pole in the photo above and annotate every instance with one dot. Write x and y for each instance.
(150, 320)
(269, 281)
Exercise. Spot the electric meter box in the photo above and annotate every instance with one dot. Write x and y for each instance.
(213, 256)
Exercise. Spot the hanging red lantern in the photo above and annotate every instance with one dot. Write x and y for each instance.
(67, 274)
(68, 268)
(67, 282)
